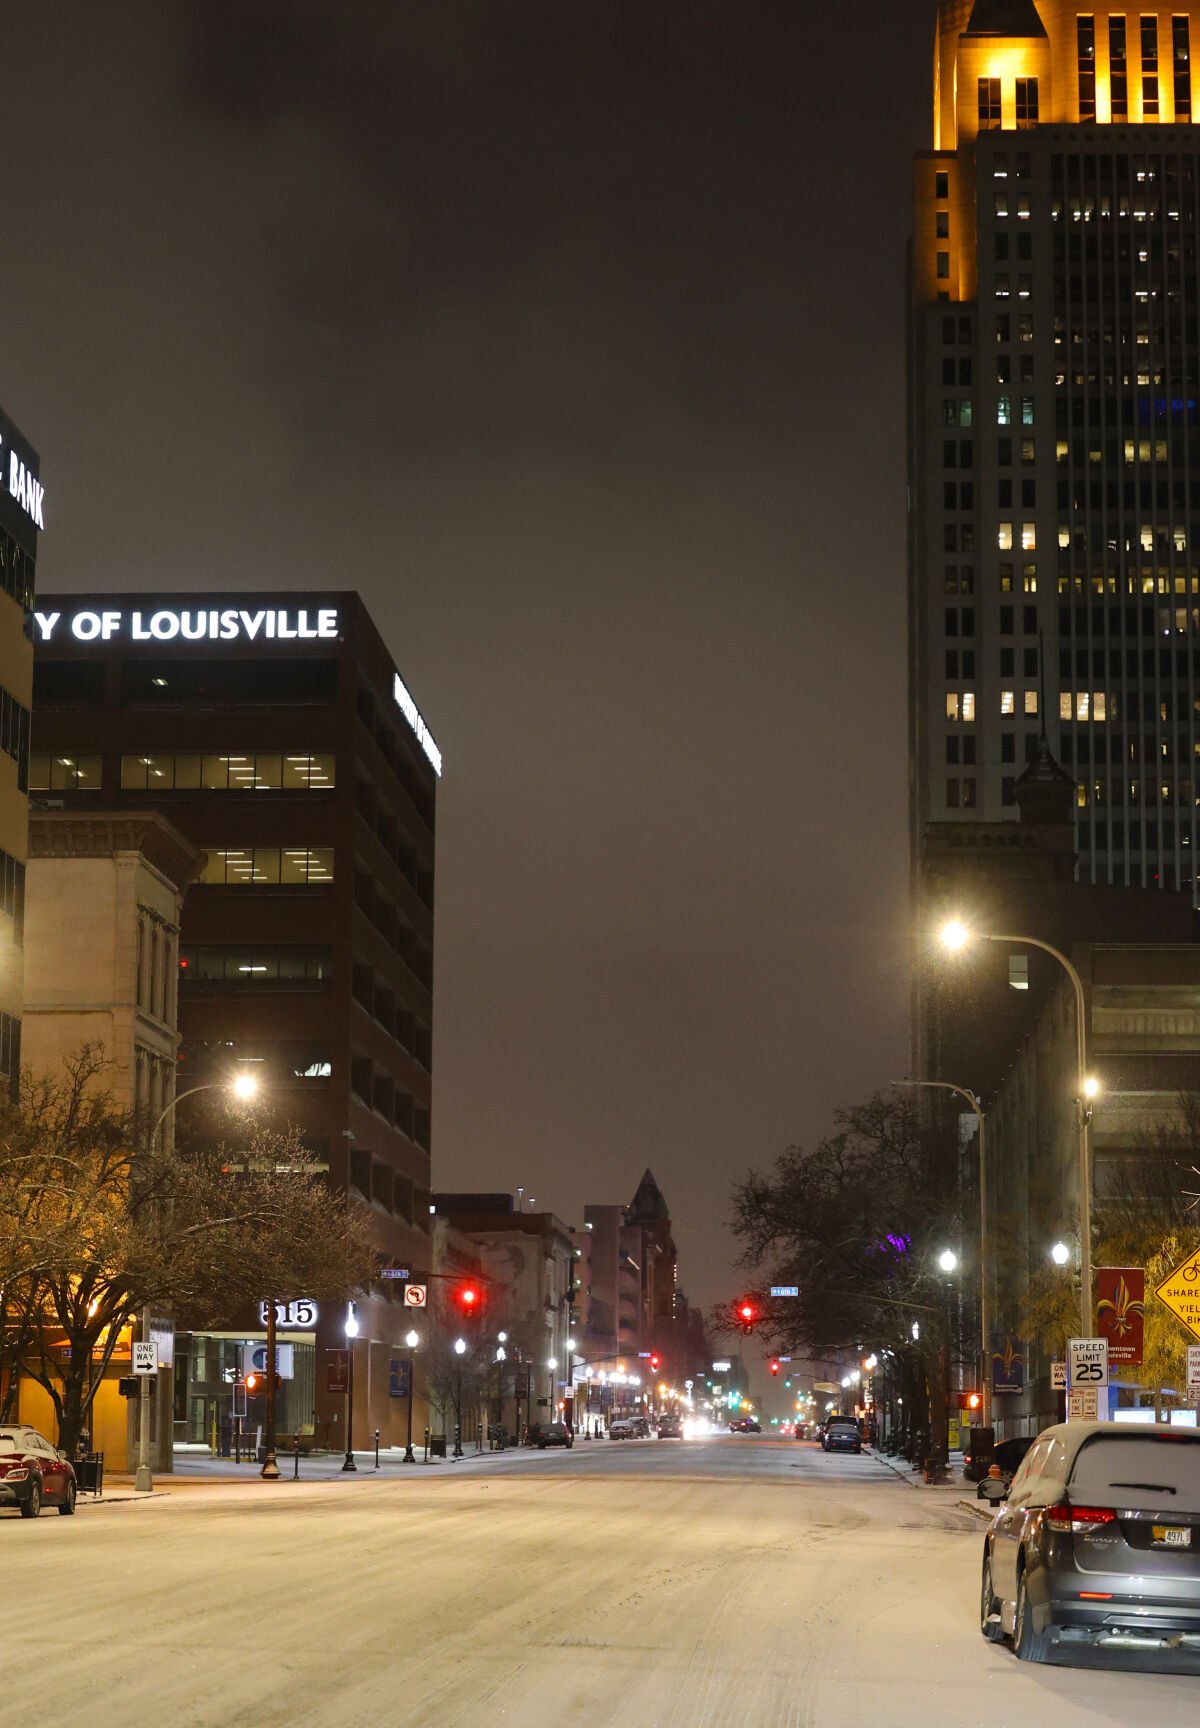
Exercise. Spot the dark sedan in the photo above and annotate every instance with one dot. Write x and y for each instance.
(1099, 1544)
(33, 1473)
(842, 1435)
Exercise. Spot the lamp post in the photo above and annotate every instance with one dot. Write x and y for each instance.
(412, 1339)
(351, 1334)
(955, 935)
(460, 1350)
(551, 1364)
(948, 1264)
(985, 1323)
(245, 1087)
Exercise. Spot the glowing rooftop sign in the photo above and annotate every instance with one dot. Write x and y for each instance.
(22, 486)
(230, 624)
(412, 714)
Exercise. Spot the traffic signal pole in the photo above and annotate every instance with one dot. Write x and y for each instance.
(270, 1468)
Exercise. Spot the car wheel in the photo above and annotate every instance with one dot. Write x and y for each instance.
(989, 1608)
(31, 1507)
(1029, 1645)
(68, 1505)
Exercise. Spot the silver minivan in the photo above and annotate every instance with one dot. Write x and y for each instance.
(1098, 1544)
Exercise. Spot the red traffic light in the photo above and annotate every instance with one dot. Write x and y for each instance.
(970, 1401)
(468, 1298)
(747, 1312)
(252, 1382)
(655, 1360)
(774, 1367)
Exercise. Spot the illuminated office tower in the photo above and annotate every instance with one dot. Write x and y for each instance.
(1054, 460)
(21, 519)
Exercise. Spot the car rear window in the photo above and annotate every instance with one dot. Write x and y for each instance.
(1141, 1471)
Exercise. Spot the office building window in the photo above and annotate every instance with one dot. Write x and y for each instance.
(1031, 701)
(263, 965)
(943, 266)
(1181, 53)
(1150, 66)
(941, 184)
(1085, 47)
(10, 1046)
(14, 736)
(989, 103)
(269, 771)
(1118, 68)
(1027, 101)
(16, 571)
(12, 893)
(268, 866)
(76, 772)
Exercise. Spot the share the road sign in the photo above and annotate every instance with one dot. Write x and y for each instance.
(1180, 1291)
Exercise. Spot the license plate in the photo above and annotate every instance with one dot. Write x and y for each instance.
(1168, 1536)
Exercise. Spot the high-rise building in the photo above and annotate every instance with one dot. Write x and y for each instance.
(21, 518)
(1054, 468)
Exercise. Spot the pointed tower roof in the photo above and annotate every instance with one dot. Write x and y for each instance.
(1045, 791)
(1005, 18)
(648, 1204)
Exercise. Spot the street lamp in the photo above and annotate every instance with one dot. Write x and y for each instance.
(460, 1350)
(351, 1334)
(948, 1263)
(955, 936)
(985, 1322)
(244, 1085)
(1060, 1253)
(412, 1339)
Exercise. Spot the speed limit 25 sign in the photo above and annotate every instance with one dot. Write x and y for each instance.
(1088, 1358)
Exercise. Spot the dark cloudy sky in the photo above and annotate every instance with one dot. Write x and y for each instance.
(571, 336)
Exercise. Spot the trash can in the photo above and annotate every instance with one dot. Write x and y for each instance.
(437, 1445)
(89, 1473)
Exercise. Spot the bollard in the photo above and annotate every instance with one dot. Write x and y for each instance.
(296, 1460)
(376, 1448)
(426, 1458)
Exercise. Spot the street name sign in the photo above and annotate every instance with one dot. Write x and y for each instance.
(1180, 1292)
(785, 1290)
(1083, 1406)
(145, 1358)
(394, 1272)
(1088, 1358)
(1193, 1368)
(414, 1295)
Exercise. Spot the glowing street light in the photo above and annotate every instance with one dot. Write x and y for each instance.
(1060, 1253)
(351, 1331)
(948, 1260)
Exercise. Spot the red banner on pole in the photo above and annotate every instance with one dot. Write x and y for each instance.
(1120, 1311)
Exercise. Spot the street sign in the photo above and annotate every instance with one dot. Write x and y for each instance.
(1084, 1405)
(145, 1357)
(721, 1367)
(1193, 1368)
(394, 1272)
(785, 1290)
(254, 1360)
(1088, 1360)
(1180, 1291)
(414, 1295)
(298, 1316)
(1058, 1376)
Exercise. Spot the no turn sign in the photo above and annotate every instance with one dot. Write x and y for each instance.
(414, 1295)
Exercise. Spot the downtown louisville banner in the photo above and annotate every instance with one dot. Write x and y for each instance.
(1120, 1311)
(1008, 1365)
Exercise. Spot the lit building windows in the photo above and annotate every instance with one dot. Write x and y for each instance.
(1008, 702)
(1029, 537)
(1181, 54)
(254, 772)
(1149, 66)
(73, 773)
(1004, 411)
(1004, 536)
(1027, 101)
(1085, 28)
(261, 965)
(268, 866)
(989, 103)
(1118, 68)
(1031, 701)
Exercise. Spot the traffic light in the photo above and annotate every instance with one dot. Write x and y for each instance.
(253, 1381)
(469, 1300)
(747, 1313)
(788, 1381)
(970, 1401)
(774, 1367)
(655, 1361)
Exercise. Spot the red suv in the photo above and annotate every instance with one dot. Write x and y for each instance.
(33, 1473)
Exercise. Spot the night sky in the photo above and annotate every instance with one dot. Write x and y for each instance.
(572, 337)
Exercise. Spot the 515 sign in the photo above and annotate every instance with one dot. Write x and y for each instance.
(299, 1316)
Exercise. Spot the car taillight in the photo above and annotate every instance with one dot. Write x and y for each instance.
(1078, 1518)
(17, 1474)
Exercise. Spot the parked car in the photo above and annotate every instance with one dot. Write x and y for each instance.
(842, 1434)
(623, 1428)
(33, 1473)
(544, 1434)
(1099, 1543)
(982, 1452)
(670, 1428)
(745, 1425)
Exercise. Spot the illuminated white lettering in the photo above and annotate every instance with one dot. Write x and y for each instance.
(412, 714)
(327, 623)
(270, 623)
(27, 491)
(164, 626)
(283, 629)
(136, 631)
(194, 625)
(85, 626)
(303, 628)
(45, 622)
(110, 623)
(252, 623)
(229, 626)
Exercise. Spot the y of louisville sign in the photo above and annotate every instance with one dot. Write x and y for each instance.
(1120, 1310)
(1180, 1291)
